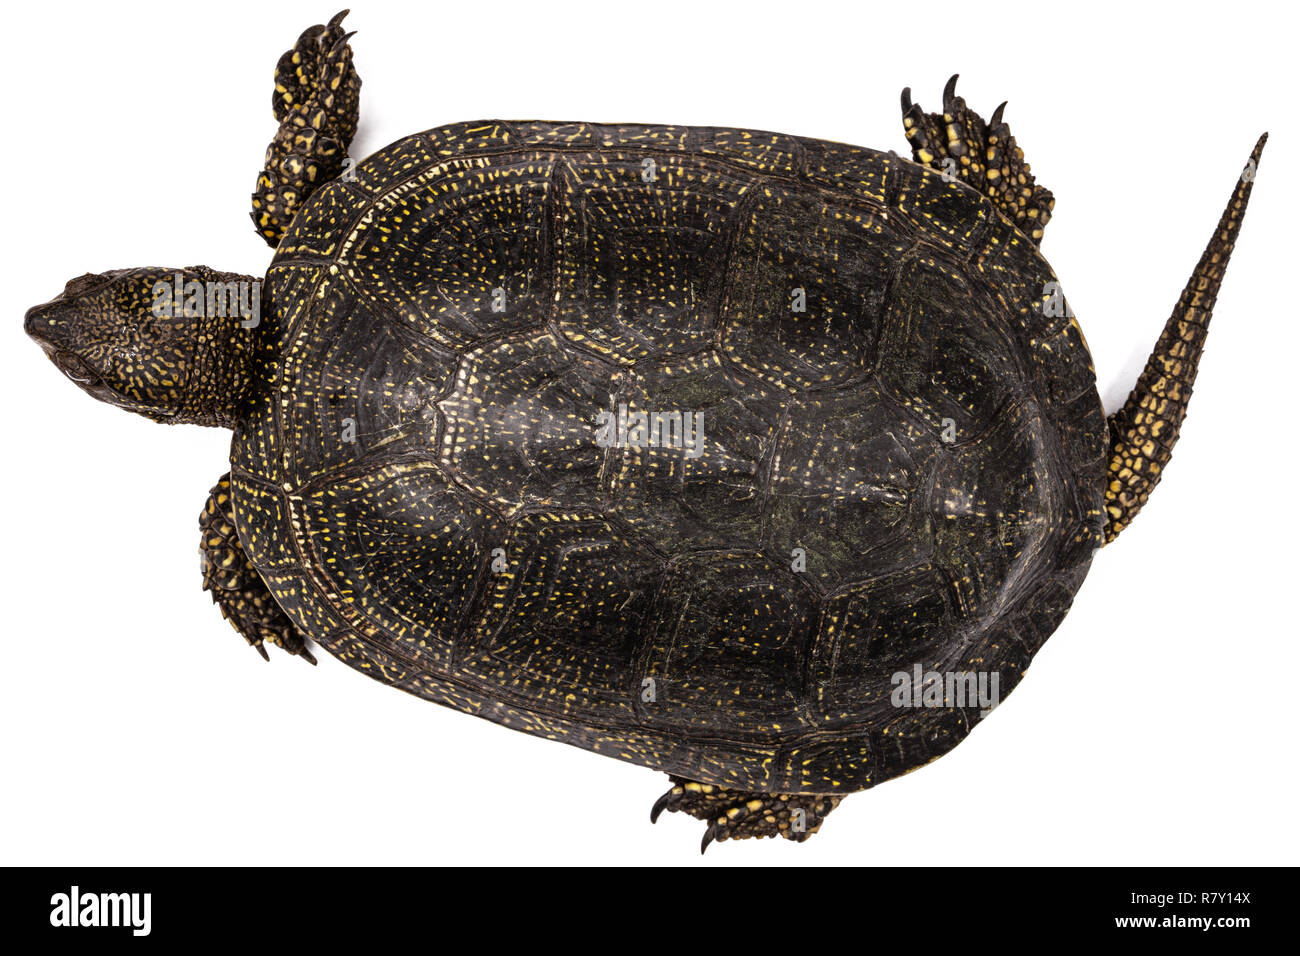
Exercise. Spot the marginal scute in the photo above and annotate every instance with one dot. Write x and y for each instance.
(998, 511)
(393, 164)
(586, 136)
(318, 228)
(485, 136)
(917, 736)
(1019, 278)
(288, 294)
(310, 611)
(941, 208)
(1051, 343)
(863, 173)
(559, 135)
(834, 765)
(769, 154)
(262, 516)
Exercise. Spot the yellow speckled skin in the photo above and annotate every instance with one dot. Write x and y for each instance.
(1143, 432)
(316, 101)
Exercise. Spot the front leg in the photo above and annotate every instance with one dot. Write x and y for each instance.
(316, 100)
(236, 586)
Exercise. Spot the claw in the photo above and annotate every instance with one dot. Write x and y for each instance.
(950, 91)
(337, 18)
(342, 41)
(709, 836)
(261, 649)
(307, 656)
(659, 806)
(997, 115)
(907, 100)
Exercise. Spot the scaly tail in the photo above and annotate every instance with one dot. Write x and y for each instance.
(1143, 432)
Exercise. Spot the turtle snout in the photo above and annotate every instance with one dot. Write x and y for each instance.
(43, 323)
(49, 322)
(48, 325)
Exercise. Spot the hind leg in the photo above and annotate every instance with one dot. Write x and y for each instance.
(959, 144)
(740, 815)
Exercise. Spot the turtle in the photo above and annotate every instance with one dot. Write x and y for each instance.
(763, 461)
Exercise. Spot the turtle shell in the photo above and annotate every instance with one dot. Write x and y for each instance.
(898, 469)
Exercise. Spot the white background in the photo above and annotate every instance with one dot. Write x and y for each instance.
(1157, 726)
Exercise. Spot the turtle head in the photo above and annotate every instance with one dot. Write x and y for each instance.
(173, 345)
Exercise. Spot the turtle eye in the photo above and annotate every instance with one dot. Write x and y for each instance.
(81, 284)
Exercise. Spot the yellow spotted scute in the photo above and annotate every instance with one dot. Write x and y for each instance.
(318, 230)
(729, 631)
(1059, 360)
(918, 736)
(808, 289)
(566, 614)
(900, 617)
(990, 525)
(939, 365)
(406, 158)
(263, 516)
(520, 423)
(772, 154)
(829, 767)
(620, 219)
(591, 136)
(862, 172)
(354, 386)
(859, 449)
(484, 136)
(941, 208)
(288, 294)
(400, 554)
(457, 253)
(682, 502)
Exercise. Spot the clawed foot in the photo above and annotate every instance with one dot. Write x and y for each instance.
(960, 144)
(739, 815)
(235, 585)
(316, 99)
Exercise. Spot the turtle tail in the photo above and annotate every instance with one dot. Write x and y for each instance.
(1143, 432)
